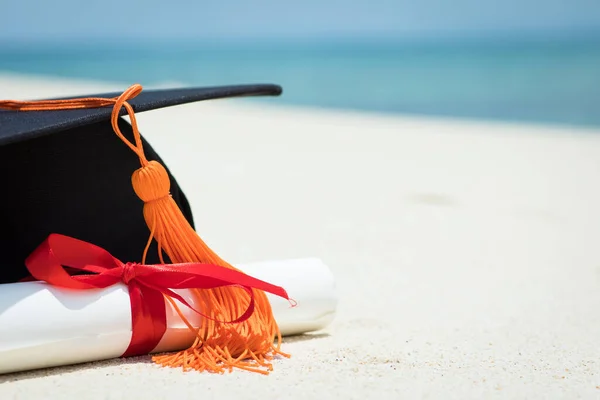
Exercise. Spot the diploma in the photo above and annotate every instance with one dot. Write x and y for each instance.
(46, 326)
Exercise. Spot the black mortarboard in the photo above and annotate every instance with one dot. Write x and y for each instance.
(52, 183)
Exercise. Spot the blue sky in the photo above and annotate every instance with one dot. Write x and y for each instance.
(199, 19)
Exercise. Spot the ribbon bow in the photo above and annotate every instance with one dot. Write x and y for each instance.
(148, 284)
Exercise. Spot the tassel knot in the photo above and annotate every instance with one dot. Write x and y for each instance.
(151, 182)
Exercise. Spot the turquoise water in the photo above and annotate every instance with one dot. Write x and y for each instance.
(552, 82)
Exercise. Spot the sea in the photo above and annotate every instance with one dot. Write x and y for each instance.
(534, 81)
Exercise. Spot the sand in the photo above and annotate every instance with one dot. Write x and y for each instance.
(467, 254)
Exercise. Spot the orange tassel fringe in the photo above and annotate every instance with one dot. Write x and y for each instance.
(218, 347)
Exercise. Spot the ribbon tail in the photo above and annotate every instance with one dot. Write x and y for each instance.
(245, 315)
(148, 319)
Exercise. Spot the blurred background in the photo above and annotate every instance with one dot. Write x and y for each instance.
(512, 60)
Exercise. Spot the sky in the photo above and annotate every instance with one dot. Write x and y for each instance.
(60, 20)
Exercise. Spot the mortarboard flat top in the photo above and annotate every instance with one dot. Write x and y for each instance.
(16, 126)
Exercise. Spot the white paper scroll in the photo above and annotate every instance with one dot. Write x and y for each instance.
(44, 326)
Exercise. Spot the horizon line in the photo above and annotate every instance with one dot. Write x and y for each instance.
(333, 38)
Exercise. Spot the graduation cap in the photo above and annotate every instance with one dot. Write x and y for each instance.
(76, 167)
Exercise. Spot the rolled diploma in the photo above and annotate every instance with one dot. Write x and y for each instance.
(44, 326)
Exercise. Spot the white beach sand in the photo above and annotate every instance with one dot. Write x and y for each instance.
(467, 254)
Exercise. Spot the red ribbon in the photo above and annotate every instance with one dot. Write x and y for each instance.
(148, 284)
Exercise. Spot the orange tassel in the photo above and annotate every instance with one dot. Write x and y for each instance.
(218, 347)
